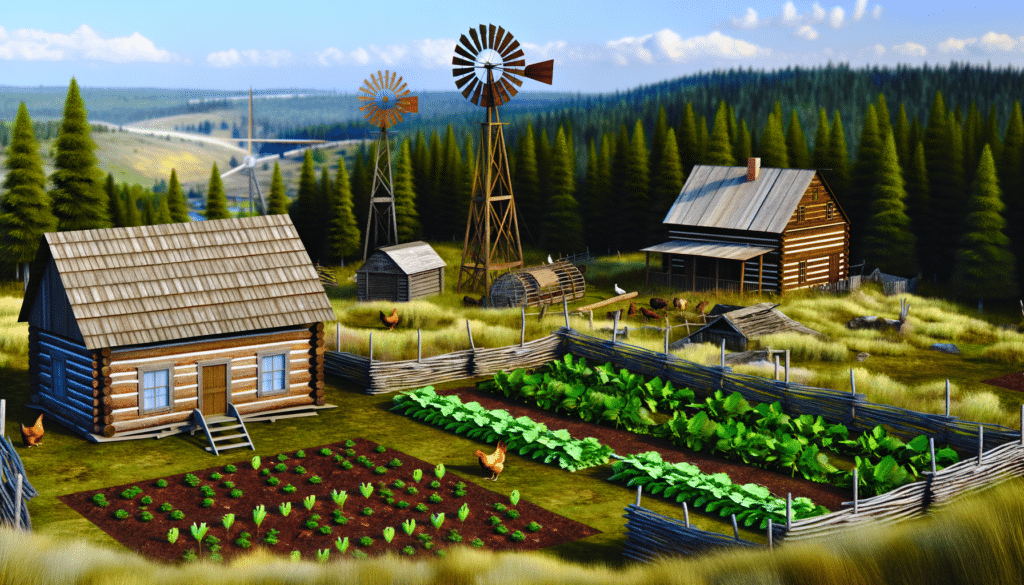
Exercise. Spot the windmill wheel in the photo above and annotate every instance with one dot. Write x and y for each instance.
(387, 99)
(488, 66)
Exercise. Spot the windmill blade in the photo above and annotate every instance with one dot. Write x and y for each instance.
(518, 54)
(460, 82)
(226, 174)
(476, 94)
(542, 71)
(491, 30)
(473, 83)
(509, 90)
(476, 40)
(462, 71)
(458, 49)
(401, 89)
(498, 91)
(512, 47)
(502, 40)
(393, 76)
(462, 62)
(511, 75)
(484, 42)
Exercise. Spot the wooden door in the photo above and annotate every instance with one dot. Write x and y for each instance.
(833, 268)
(215, 389)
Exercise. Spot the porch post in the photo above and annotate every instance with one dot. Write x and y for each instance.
(760, 271)
(743, 274)
(647, 268)
(716, 274)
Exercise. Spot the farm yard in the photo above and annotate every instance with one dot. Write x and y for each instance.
(67, 465)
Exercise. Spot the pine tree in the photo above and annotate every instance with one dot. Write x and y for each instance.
(216, 198)
(361, 177)
(887, 233)
(689, 147)
(821, 156)
(324, 215)
(421, 158)
(77, 196)
(990, 136)
(904, 148)
(114, 202)
(405, 197)
(176, 204)
(918, 204)
(303, 210)
(277, 200)
(1011, 179)
(658, 139)
(970, 146)
(865, 176)
(618, 201)
(720, 148)
(344, 236)
(796, 144)
(598, 210)
(162, 209)
(741, 147)
(883, 118)
(702, 139)
(529, 205)
(132, 214)
(636, 190)
(839, 162)
(666, 183)
(563, 229)
(984, 267)
(543, 148)
(25, 213)
(145, 199)
(945, 188)
(773, 144)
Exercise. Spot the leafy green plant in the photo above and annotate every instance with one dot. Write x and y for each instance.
(533, 527)
(417, 475)
(146, 500)
(325, 452)
(439, 471)
(437, 520)
(434, 484)
(161, 483)
(454, 536)
(273, 481)
(121, 514)
(207, 503)
(341, 544)
(517, 536)
(379, 449)
(346, 465)
(408, 550)
(499, 507)
(288, 489)
(207, 491)
(145, 516)
(402, 504)
(100, 500)
(366, 541)
(350, 443)
(398, 484)
(435, 499)
(255, 462)
(312, 524)
(300, 470)
(165, 507)
(235, 493)
(421, 507)
(501, 529)
(259, 513)
(380, 470)
(189, 555)
(215, 476)
(494, 520)
(177, 515)
(514, 497)
(285, 508)
(367, 511)
(338, 458)
(463, 512)
(396, 462)
(191, 480)
(409, 526)
(309, 501)
(131, 492)
(198, 532)
(271, 537)
(389, 534)
(323, 554)
(228, 520)
(512, 514)
(265, 472)
(300, 454)
(172, 535)
(295, 556)
(366, 489)
(280, 468)
(411, 490)
(339, 497)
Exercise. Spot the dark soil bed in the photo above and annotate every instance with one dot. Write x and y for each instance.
(1010, 382)
(149, 538)
(626, 443)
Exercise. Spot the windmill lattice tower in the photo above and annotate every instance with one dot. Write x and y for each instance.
(387, 99)
(486, 69)
(257, 204)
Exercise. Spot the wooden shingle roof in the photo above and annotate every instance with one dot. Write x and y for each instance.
(137, 285)
(721, 197)
(757, 320)
(412, 257)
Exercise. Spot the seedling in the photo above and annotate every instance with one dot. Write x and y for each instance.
(380, 470)
(315, 479)
(215, 476)
(198, 532)
(273, 481)
(514, 497)
(476, 542)
(255, 462)
(409, 526)
(380, 449)
(454, 536)
(161, 483)
(389, 534)
(366, 541)
(300, 454)
(288, 489)
(259, 513)
(439, 471)
(172, 535)
(300, 470)
(121, 514)
(512, 515)
(323, 554)
(533, 527)
(191, 480)
(236, 493)
(146, 500)
(367, 511)
(408, 550)
(463, 512)
(100, 500)
(295, 556)
(207, 503)
(437, 520)
(341, 544)
(145, 516)
(281, 467)
(325, 452)
(285, 508)
(395, 462)
(339, 497)
(309, 501)
(518, 536)
(228, 520)
(366, 489)
(177, 515)
(230, 468)
(350, 443)
(417, 475)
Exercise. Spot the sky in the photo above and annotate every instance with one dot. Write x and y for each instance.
(599, 46)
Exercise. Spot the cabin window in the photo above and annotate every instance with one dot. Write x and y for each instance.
(801, 213)
(814, 193)
(58, 377)
(803, 272)
(829, 210)
(155, 389)
(273, 376)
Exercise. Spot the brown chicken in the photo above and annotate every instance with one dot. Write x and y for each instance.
(702, 306)
(632, 310)
(389, 321)
(679, 303)
(649, 314)
(658, 304)
(33, 435)
(495, 462)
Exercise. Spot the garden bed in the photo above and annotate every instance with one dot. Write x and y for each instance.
(149, 538)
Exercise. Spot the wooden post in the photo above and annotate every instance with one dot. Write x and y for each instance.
(787, 366)
(735, 528)
(686, 514)
(789, 510)
(687, 321)
(565, 310)
(639, 489)
(543, 310)
(666, 335)
(522, 327)
(337, 336)
(3, 418)
(1021, 423)
(853, 394)
(760, 271)
(947, 396)
(723, 355)
(591, 318)
(743, 274)
(470, 333)
(776, 367)
(371, 348)
(615, 327)
(981, 442)
(17, 502)
(647, 268)
(855, 487)
(419, 345)
(770, 543)
(931, 451)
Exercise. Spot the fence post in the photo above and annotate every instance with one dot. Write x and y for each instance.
(776, 367)
(639, 489)
(856, 485)
(666, 336)
(337, 335)
(686, 514)
(787, 366)
(723, 355)
(371, 348)
(591, 318)
(770, 543)
(947, 396)
(470, 332)
(565, 310)
(3, 418)
(419, 345)
(931, 452)
(853, 393)
(735, 529)
(522, 327)
(615, 327)
(981, 442)
(17, 502)
(789, 510)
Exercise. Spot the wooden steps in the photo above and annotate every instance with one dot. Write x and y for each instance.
(214, 427)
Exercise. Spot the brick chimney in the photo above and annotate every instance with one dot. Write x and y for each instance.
(753, 168)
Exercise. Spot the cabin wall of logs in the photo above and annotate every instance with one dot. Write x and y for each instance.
(101, 394)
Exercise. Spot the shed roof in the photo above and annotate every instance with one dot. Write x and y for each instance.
(413, 257)
(757, 320)
(721, 197)
(730, 250)
(138, 285)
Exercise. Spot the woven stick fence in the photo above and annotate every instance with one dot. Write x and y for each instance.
(651, 535)
(849, 408)
(15, 490)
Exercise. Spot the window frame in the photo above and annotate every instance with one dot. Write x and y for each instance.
(801, 273)
(260, 391)
(801, 213)
(830, 210)
(142, 371)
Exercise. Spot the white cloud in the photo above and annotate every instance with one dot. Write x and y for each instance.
(807, 32)
(748, 20)
(667, 45)
(990, 42)
(25, 44)
(859, 8)
(876, 12)
(835, 17)
(232, 57)
(817, 13)
(878, 50)
(1000, 41)
(950, 45)
(434, 53)
(789, 13)
(335, 56)
(910, 49)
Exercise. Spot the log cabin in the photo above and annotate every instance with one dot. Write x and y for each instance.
(156, 330)
(753, 229)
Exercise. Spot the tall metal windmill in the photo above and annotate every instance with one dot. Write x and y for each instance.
(485, 70)
(256, 204)
(386, 100)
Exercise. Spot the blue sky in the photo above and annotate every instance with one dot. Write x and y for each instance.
(598, 46)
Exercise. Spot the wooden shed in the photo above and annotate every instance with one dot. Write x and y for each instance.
(753, 229)
(738, 326)
(156, 330)
(539, 285)
(400, 273)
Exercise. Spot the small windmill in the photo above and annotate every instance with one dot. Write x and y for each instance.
(256, 204)
(485, 70)
(386, 100)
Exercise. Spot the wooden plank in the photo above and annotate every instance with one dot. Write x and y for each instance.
(599, 304)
